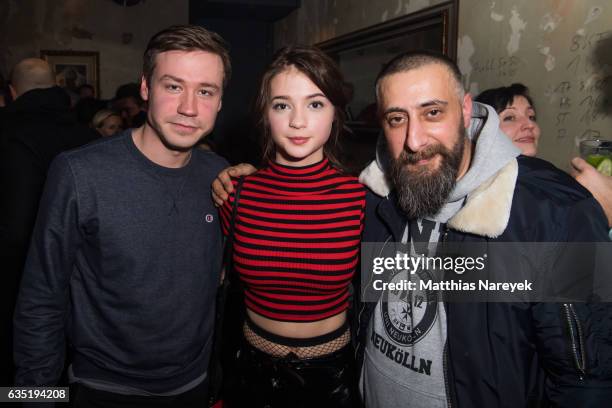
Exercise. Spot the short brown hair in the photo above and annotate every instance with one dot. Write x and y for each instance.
(186, 38)
(324, 73)
(502, 97)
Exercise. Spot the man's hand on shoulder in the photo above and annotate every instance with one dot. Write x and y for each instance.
(222, 186)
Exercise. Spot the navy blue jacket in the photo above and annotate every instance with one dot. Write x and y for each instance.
(519, 354)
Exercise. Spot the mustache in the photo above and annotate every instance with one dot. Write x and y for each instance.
(406, 157)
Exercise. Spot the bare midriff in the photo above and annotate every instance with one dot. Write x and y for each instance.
(299, 330)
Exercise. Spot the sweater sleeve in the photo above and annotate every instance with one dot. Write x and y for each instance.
(42, 304)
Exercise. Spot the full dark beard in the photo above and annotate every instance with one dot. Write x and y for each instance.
(422, 192)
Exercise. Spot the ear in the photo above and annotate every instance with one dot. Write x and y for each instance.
(144, 89)
(467, 109)
(13, 91)
(220, 104)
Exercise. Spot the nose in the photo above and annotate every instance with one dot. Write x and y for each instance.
(188, 105)
(416, 138)
(297, 119)
(527, 124)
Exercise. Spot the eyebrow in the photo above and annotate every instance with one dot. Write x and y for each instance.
(286, 97)
(395, 110)
(433, 102)
(181, 81)
(425, 104)
(513, 108)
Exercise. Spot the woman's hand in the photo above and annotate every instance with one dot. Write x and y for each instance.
(598, 184)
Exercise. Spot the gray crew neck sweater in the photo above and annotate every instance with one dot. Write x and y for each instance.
(125, 257)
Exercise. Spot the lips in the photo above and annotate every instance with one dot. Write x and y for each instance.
(298, 140)
(421, 158)
(184, 127)
(526, 139)
(424, 162)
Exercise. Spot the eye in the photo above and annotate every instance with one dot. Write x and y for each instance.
(317, 104)
(433, 113)
(533, 118)
(509, 118)
(173, 87)
(206, 92)
(280, 106)
(395, 120)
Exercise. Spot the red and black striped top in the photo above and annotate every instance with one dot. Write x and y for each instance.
(296, 240)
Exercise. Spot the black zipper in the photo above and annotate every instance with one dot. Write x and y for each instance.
(576, 339)
(449, 399)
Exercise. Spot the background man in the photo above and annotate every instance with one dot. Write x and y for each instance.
(126, 251)
(86, 91)
(444, 183)
(130, 104)
(37, 126)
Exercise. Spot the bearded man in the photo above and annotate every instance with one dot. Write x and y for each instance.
(447, 173)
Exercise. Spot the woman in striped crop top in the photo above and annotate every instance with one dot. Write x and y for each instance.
(296, 238)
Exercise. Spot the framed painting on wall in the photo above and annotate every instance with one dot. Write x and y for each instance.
(74, 68)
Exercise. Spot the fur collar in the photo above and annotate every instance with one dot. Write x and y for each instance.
(486, 211)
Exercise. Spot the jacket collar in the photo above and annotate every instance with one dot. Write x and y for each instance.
(486, 211)
(392, 216)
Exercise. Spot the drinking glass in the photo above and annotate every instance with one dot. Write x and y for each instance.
(598, 153)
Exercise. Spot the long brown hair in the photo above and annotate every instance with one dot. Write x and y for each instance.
(324, 73)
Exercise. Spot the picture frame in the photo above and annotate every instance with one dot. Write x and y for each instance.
(74, 68)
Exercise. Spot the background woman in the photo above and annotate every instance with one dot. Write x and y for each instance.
(107, 122)
(517, 115)
(296, 240)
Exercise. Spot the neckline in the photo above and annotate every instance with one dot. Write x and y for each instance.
(158, 169)
(300, 171)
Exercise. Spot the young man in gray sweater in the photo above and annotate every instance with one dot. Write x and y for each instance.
(126, 253)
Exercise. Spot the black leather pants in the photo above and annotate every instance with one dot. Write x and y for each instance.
(265, 381)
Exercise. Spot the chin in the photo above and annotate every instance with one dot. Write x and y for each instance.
(181, 143)
(530, 151)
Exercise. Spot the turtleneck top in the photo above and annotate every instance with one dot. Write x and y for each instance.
(297, 233)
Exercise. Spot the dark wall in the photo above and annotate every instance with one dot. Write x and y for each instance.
(251, 48)
(247, 25)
